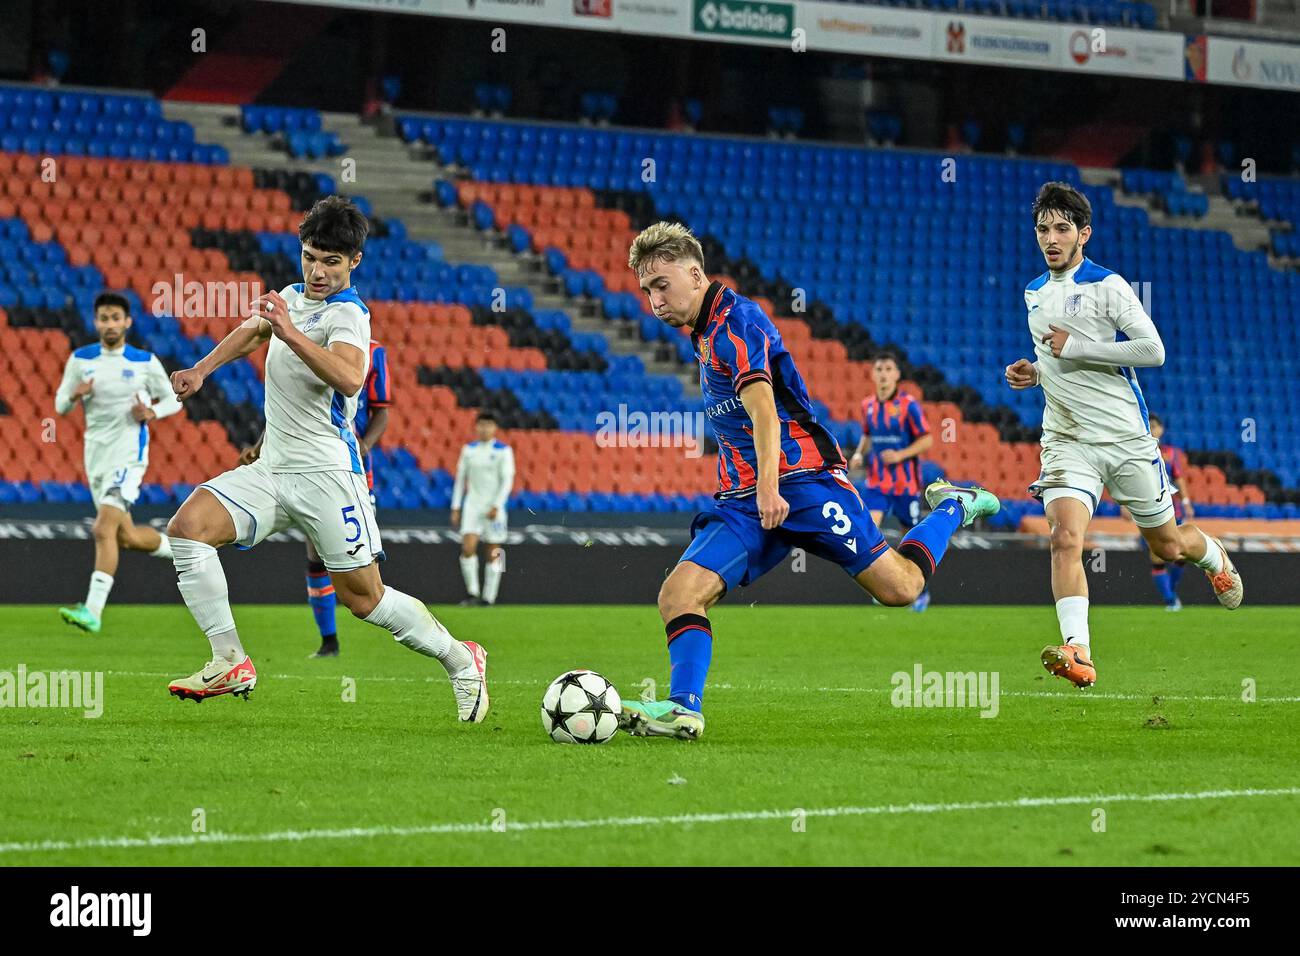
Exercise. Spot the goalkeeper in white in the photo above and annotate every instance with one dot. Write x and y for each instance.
(1090, 334)
(121, 389)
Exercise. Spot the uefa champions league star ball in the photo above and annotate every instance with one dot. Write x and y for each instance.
(580, 707)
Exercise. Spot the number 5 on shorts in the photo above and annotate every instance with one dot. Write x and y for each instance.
(350, 519)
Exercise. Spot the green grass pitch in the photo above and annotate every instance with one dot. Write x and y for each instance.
(1182, 768)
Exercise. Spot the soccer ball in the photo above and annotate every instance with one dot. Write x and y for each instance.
(580, 707)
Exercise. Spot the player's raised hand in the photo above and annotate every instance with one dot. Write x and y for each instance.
(273, 309)
(1022, 374)
(250, 454)
(856, 461)
(772, 508)
(1055, 340)
(186, 382)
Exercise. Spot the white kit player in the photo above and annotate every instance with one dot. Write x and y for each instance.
(121, 389)
(309, 475)
(1090, 334)
(485, 476)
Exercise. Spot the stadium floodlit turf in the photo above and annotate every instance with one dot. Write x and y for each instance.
(799, 719)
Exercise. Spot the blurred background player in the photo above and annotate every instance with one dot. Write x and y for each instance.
(121, 389)
(1167, 575)
(781, 479)
(1095, 424)
(894, 436)
(485, 476)
(309, 474)
(371, 419)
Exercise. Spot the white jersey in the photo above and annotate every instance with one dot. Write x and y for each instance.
(308, 423)
(485, 476)
(121, 376)
(1092, 393)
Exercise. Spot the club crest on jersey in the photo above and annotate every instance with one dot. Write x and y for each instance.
(706, 352)
(312, 322)
(1073, 303)
(128, 373)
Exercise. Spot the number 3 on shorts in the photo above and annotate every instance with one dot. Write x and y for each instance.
(350, 519)
(842, 523)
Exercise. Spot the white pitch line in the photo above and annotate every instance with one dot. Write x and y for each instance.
(439, 829)
(1079, 697)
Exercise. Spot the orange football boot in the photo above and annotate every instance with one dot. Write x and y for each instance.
(1071, 661)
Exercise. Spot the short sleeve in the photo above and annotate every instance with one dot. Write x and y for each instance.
(348, 324)
(916, 422)
(745, 348)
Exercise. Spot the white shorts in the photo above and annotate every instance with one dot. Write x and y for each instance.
(332, 508)
(1133, 471)
(474, 520)
(119, 487)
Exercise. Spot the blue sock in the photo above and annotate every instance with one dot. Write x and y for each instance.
(926, 544)
(1160, 574)
(1175, 575)
(690, 649)
(320, 595)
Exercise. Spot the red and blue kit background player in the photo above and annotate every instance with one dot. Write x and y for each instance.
(894, 436)
(781, 479)
(1167, 575)
(373, 402)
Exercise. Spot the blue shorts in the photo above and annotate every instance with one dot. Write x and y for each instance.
(827, 518)
(906, 508)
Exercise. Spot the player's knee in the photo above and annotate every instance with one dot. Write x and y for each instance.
(1066, 540)
(676, 598)
(902, 591)
(360, 605)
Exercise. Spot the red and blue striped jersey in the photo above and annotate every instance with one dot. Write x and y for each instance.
(736, 345)
(1175, 461)
(376, 393)
(893, 424)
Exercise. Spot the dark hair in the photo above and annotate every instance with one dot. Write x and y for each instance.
(1152, 416)
(334, 224)
(486, 416)
(884, 357)
(1065, 199)
(113, 299)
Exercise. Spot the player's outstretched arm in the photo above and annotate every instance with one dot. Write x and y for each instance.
(760, 403)
(240, 342)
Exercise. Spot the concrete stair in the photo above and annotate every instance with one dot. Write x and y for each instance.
(1248, 231)
(398, 180)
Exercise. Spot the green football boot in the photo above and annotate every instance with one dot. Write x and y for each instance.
(80, 616)
(976, 501)
(660, 718)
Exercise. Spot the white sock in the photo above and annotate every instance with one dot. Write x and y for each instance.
(202, 584)
(1072, 613)
(469, 571)
(100, 584)
(492, 577)
(1213, 560)
(164, 549)
(412, 625)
